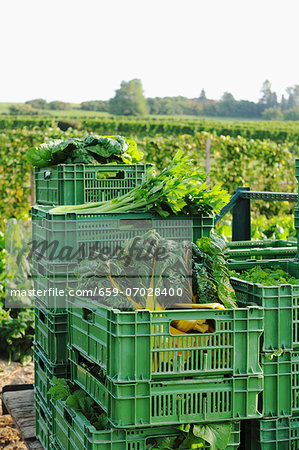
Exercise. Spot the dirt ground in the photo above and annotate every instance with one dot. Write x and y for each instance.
(13, 373)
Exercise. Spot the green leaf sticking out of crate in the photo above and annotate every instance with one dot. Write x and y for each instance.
(178, 189)
(271, 276)
(275, 354)
(79, 401)
(92, 150)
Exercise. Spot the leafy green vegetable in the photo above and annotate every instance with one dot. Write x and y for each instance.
(275, 354)
(53, 152)
(149, 262)
(78, 400)
(60, 390)
(163, 443)
(178, 189)
(216, 434)
(195, 436)
(92, 150)
(271, 276)
(210, 273)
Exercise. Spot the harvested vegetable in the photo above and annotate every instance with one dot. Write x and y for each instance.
(179, 189)
(78, 400)
(191, 325)
(271, 276)
(92, 150)
(139, 278)
(210, 273)
(138, 274)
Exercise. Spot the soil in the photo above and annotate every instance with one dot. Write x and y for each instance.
(13, 373)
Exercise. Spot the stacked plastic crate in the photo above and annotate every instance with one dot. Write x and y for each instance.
(145, 378)
(261, 250)
(62, 185)
(279, 357)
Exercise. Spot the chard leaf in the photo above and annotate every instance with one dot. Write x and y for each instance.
(213, 276)
(59, 381)
(59, 392)
(41, 156)
(73, 402)
(185, 427)
(60, 389)
(216, 434)
(102, 422)
(163, 443)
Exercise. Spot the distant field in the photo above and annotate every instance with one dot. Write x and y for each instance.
(74, 112)
(77, 112)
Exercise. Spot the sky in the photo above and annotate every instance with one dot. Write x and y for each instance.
(74, 50)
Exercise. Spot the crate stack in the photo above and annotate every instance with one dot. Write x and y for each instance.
(63, 185)
(278, 429)
(145, 378)
(279, 359)
(260, 250)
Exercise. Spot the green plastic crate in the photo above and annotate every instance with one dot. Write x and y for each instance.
(51, 335)
(75, 184)
(138, 345)
(69, 237)
(296, 216)
(51, 282)
(264, 243)
(170, 402)
(266, 249)
(278, 392)
(44, 371)
(72, 431)
(248, 264)
(43, 422)
(281, 311)
(295, 383)
(272, 434)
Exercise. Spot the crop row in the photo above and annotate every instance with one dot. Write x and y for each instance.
(276, 131)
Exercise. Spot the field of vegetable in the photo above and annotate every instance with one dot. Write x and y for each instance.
(286, 131)
(234, 161)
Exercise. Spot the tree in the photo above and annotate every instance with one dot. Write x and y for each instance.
(129, 99)
(291, 114)
(283, 103)
(293, 99)
(269, 98)
(227, 105)
(58, 105)
(202, 97)
(38, 103)
(23, 109)
(272, 114)
(95, 105)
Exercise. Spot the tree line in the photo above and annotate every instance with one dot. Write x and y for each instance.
(129, 100)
